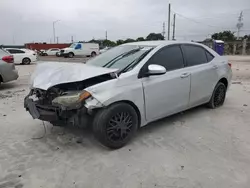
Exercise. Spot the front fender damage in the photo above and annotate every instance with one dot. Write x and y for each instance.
(92, 103)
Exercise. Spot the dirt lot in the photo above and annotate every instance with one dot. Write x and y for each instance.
(199, 148)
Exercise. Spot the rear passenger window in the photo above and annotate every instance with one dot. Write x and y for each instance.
(210, 57)
(169, 57)
(195, 55)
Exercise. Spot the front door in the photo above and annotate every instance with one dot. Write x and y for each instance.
(78, 49)
(169, 93)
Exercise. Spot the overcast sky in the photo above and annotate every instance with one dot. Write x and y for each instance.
(24, 21)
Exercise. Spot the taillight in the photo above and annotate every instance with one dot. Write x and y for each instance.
(8, 59)
(230, 65)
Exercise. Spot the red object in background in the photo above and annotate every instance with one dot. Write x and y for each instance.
(8, 59)
(41, 46)
(230, 65)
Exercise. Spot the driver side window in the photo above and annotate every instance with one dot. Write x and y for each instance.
(78, 46)
(169, 57)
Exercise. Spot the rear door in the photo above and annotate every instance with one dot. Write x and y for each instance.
(169, 93)
(203, 73)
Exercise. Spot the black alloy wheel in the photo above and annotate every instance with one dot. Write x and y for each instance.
(119, 126)
(116, 125)
(218, 96)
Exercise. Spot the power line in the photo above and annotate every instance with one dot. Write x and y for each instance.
(216, 16)
(197, 22)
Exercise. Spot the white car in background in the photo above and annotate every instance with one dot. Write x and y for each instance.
(23, 56)
(51, 51)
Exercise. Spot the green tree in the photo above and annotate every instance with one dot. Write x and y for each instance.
(247, 37)
(140, 39)
(129, 40)
(108, 43)
(119, 42)
(225, 36)
(155, 36)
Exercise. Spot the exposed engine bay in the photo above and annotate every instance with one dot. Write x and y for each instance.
(40, 103)
(46, 97)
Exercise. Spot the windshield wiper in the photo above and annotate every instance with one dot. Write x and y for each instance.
(110, 63)
(133, 63)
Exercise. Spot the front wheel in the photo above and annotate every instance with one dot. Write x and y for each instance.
(71, 55)
(218, 97)
(116, 125)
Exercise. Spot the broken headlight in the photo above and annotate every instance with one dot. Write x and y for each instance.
(73, 99)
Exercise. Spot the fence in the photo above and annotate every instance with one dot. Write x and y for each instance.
(233, 47)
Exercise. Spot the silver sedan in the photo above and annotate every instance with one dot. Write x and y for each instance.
(7, 67)
(128, 87)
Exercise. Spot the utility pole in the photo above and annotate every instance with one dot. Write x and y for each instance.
(240, 24)
(57, 39)
(72, 39)
(163, 30)
(106, 35)
(173, 37)
(169, 12)
(54, 30)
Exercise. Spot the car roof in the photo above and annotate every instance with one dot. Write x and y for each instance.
(160, 43)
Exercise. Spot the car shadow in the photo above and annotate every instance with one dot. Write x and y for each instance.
(169, 121)
(72, 138)
(5, 86)
(66, 138)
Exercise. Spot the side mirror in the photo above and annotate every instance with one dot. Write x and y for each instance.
(156, 70)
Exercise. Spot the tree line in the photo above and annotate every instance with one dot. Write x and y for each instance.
(223, 35)
(151, 36)
(228, 36)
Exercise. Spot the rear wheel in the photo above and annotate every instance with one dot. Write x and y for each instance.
(26, 61)
(116, 125)
(93, 54)
(218, 96)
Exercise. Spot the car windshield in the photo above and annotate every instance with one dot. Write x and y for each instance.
(119, 57)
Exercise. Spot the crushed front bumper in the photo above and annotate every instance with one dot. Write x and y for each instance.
(56, 114)
(45, 113)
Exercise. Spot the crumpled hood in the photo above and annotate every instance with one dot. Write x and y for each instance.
(50, 74)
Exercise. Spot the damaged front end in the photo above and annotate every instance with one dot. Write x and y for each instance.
(64, 104)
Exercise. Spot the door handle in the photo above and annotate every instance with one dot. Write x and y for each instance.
(184, 75)
(215, 67)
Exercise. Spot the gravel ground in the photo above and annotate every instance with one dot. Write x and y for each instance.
(199, 148)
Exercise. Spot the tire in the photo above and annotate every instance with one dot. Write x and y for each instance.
(93, 54)
(26, 61)
(218, 97)
(71, 55)
(108, 128)
(45, 54)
